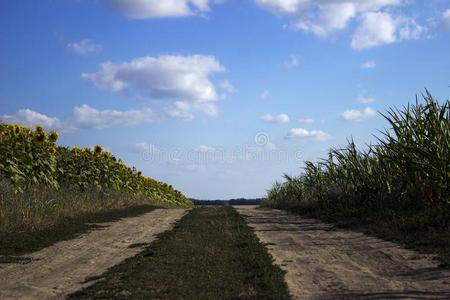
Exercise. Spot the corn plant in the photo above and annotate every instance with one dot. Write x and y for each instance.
(408, 169)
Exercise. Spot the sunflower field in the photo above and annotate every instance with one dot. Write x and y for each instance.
(41, 181)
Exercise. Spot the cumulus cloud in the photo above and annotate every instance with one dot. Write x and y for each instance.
(355, 115)
(306, 120)
(186, 110)
(331, 17)
(83, 117)
(227, 87)
(32, 118)
(370, 64)
(446, 19)
(181, 110)
(375, 29)
(409, 29)
(144, 147)
(166, 76)
(147, 9)
(281, 118)
(301, 133)
(323, 17)
(326, 17)
(380, 28)
(84, 47)
(184, 79)
(365, 100)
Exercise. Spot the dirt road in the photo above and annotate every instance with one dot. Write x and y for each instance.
(323, 262)
(62, 268)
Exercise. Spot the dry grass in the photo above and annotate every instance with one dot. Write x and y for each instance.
(42, 207)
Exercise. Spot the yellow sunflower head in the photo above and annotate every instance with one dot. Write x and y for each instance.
(40, 137)
(52, 150)
(75, 151)
(10, 128)
(86, 150)
(39, 129)
(17, 129)
(106, 154)
(98, 149)
(53, 136)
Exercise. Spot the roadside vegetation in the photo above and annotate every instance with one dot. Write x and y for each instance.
(14, 246)
(210, 254)
(44, 185)
(397, 189)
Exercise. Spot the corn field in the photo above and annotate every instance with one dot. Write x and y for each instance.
(407, 170)
(41, 181)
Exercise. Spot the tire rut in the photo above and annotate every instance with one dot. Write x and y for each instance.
(323, 262)
(66, 266)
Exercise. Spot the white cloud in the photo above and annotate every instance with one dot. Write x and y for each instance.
(281, 118)
(32, 118)
(83, 117)
(365, 100)
(227, 87)
(355, 115)
(331, 17)
(166, 76)
(147, 9)
(375, 29)
(264, 94)
(294, 61)
(370, 64)
(184, 79)
(323, 17)
(205, 149)
(301, 133)
(186, 110)
(326, 17)
(144, 147)
(306, 120)
(446, 19)
(409, 29)
(283, 7)
(181, 110)
(380, 28)
(84, 47)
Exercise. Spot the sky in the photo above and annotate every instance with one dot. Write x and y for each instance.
(219, 98)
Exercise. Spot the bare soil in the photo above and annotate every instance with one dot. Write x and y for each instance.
(67, 266)
(324, 262)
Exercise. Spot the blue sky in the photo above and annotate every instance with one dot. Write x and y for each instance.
(219, 98)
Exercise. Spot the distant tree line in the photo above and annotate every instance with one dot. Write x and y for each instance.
(239, 201)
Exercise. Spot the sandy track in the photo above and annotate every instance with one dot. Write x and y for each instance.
(62, 268)
(323, 262)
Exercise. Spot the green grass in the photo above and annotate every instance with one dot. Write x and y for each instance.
(210, 254)
(23, 242)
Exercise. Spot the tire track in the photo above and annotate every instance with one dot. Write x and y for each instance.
(64, 267)
(323, 262)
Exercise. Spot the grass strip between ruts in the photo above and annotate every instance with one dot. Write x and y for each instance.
(210, 254)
